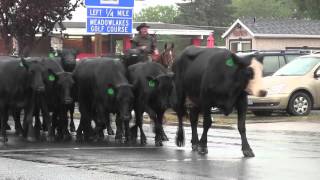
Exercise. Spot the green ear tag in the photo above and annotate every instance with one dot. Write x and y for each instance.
(152, 83)
(51, 55)
(230, 62)
(110, 91)
(51, 77)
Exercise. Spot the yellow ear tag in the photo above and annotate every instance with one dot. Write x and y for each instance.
(51, 77)
(110, 91)
(230, 62)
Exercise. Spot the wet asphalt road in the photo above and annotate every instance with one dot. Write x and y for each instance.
(284, 150)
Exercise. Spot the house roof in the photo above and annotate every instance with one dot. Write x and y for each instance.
(260, 27)
(79, 28)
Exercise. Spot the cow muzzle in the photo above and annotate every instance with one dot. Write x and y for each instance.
(68, 100)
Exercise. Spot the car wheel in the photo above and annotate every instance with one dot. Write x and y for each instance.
(262, 113)
(299, 104)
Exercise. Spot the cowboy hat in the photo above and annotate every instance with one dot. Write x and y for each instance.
(141, 26)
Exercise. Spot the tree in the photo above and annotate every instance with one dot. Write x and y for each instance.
(23, 19)
(205, 12)
(164, 14)
(263, 8)
(308, 8)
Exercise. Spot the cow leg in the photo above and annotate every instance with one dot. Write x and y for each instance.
(71, 110)
(37, 124)
(119, 131)
(194, 116)
(47, 119)
(108, 124)
(207, 121)
(100, 123)
(159, 128)
(85, 122)
(17, 123)
(127, 130)
(29, 122)
(4, 117)
(63, 119)
(242, 111)
(138, 111)
(79, 136)
(180, 109)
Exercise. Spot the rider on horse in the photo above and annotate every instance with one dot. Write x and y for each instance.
(145, 41)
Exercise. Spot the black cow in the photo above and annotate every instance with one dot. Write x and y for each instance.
(153, 87)
(212, 77)
(20, 81)
(102, 89)
(57, 97)
(67, 59)
(133, 56)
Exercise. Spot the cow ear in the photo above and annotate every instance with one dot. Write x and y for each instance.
(165, 46)
(240, 60)
(172, 45)
(152, 82)
(24, 63)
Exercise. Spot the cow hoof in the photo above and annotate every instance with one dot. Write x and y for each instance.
(79, 139)
(164, 137)
(134, 131)
(195, 147)
(67, 138)
(118, 139)
(18, 133)
(50, 139)
(5, 140)
(8, 127)
(180, 138)
(110, 132)
(248, 153)
(72, 128)
(158, 143)
(202, 150)
(143, 140)
(31, 139)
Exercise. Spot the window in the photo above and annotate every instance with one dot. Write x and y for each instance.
(270, 65)
(240, 45)
(291, 57)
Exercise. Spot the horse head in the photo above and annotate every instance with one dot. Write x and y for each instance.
(167, 56)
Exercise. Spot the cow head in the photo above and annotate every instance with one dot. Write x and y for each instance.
(162, 88)
(253, 72)
(133, 56)
(36, 72)
(68, 59)
(64, 82)
(123, 96)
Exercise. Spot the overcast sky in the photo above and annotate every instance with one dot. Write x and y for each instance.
(80, 14)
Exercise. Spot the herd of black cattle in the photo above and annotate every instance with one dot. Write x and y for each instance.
(200, 78)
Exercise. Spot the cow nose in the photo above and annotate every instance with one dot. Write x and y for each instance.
(40, 89)
(68, 100)
(262, 93)
(127, 117)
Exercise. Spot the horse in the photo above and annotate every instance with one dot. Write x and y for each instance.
(167, 56)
